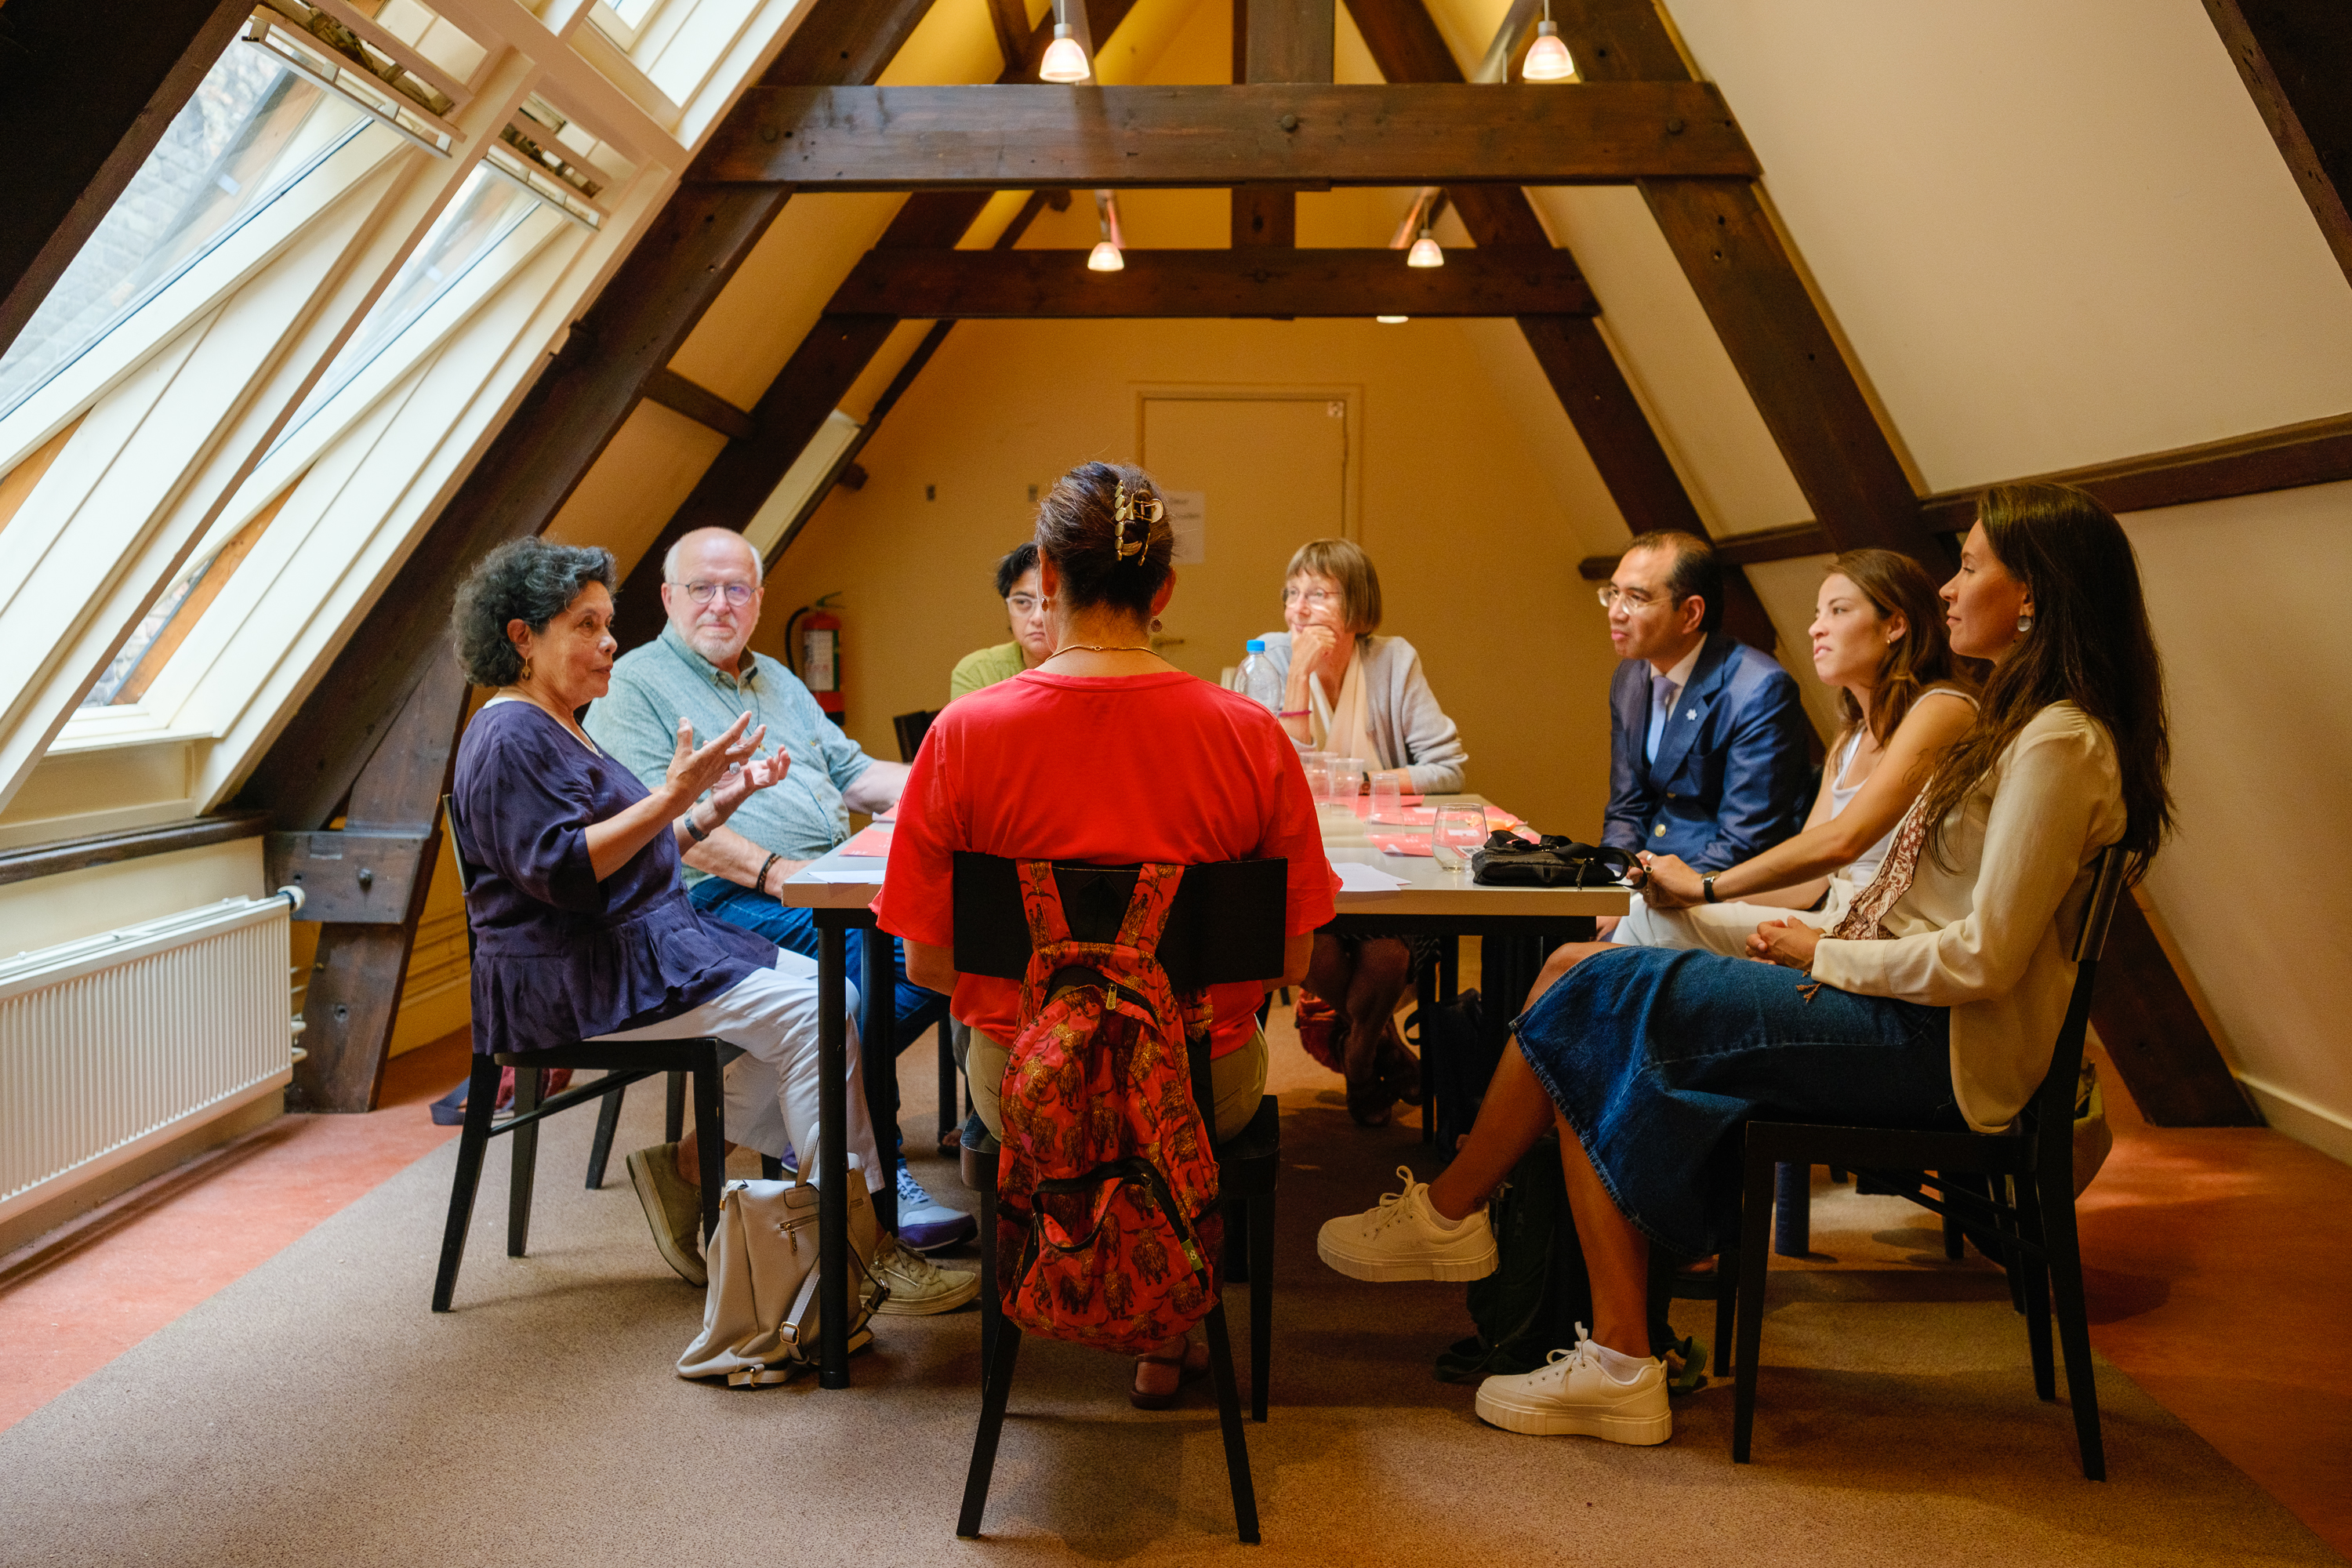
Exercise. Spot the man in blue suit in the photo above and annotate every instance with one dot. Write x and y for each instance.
(1707, 757)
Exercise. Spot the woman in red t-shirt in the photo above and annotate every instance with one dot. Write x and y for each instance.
(1103, 753)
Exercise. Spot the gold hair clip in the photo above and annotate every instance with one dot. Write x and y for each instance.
(1143, 507)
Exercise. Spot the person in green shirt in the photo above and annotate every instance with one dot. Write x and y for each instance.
(1025, 608)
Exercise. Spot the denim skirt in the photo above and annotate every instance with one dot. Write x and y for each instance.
(1659, 1058)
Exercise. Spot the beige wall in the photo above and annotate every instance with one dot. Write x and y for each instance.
(1460, 510)
(52, 910)
(2256, 890)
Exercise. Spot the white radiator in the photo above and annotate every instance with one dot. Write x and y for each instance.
(117, 1042)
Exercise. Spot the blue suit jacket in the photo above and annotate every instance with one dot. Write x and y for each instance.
(1729, 778)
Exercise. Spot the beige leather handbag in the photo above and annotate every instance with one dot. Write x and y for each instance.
(759, 1318)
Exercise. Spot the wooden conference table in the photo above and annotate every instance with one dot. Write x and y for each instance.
(1417, 896)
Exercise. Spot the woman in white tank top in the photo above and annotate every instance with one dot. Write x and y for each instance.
(1878, 637)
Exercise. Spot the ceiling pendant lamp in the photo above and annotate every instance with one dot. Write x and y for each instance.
(1065, 61)
(1106, 256)
(1424, 252)
(1547, 56)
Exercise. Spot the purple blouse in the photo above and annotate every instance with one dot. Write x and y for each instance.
(558, 956)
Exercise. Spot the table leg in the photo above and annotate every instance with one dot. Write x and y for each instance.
(832, 1172)
(877, 1029)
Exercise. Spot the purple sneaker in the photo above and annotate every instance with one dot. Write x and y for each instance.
(926, 1225)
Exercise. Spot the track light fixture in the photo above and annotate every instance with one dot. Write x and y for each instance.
(1547, 56)
(1105, 257)
(1065, 58)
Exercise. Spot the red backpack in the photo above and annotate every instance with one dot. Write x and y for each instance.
(1104, 1232)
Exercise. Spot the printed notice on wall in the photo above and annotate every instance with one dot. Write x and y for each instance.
(1187, 519)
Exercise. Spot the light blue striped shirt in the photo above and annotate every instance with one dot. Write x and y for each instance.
(636, 721)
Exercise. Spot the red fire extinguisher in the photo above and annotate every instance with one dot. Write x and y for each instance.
(813, 642)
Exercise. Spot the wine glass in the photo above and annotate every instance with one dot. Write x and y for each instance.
(1457, 833)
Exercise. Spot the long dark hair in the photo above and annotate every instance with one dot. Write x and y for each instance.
(1896, 584)
(2090, 644)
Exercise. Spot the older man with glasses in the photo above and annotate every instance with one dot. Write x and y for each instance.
(1707, 757)
(700, 668)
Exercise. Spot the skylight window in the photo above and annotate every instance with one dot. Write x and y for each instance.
(484, 211)
(238, 143)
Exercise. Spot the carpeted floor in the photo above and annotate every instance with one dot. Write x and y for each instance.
(316, 1412)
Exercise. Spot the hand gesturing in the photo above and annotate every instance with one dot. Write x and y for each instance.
(694, 768)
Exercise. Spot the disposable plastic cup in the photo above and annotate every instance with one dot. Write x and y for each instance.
(1318, 774)
(1348, 777)
(1388, 804)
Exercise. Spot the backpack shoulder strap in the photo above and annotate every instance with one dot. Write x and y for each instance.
(1041, 905)
(1148, 907)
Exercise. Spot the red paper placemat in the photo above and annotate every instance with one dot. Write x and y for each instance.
(1400, 843)
(874, 841)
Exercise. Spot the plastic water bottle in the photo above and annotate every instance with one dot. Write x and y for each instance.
(1258, 679)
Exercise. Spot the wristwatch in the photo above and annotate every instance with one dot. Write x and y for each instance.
(1706, 886)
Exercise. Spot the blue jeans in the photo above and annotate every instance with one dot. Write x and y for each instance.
(795, 930)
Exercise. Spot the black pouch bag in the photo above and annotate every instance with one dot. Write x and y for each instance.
(1539, 1291)
(1510, 861)
(1452, 1039)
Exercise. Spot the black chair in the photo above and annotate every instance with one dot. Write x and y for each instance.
(624, 1063)
(2015, 1191)
(1225, 925)
(911, 727)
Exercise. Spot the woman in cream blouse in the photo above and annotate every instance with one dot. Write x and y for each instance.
(1933, 1001)
(1352, 694)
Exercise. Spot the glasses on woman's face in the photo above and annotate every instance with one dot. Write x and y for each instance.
(1024, 604)
(1309, 598)
(703, 593)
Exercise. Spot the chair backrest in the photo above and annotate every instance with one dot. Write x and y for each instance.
(912, 728)
(1225, 925)
(2053, 1104)
(467, 875)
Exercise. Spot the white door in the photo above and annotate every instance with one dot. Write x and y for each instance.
(1272, 474)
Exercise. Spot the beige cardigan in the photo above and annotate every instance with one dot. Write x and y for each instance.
(1990, 935)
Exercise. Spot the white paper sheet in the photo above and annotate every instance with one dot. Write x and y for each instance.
(1355, 877)
(858, 868)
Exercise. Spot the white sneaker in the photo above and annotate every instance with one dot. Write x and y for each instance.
(1405, 1239)
(920, 1287)
(1575, 1396)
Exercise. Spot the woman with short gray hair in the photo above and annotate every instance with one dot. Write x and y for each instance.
(1354, 694)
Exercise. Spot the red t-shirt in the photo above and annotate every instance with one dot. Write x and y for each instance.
(1167, 769)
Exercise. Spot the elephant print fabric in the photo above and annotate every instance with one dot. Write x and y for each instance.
(1105, 1230)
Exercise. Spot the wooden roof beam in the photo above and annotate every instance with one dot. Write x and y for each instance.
(1733, 254)
(2296, 57)
(1309, 134)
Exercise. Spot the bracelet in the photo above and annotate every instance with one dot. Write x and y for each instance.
(760, 883)
(700, 834)
(1706, 886)
(1294, 713)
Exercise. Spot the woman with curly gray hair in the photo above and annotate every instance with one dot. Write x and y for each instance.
(582, 928)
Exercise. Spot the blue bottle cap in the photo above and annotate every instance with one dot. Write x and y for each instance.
(1257, 645)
